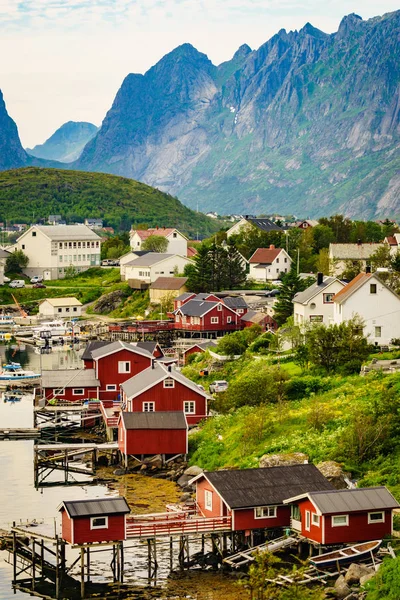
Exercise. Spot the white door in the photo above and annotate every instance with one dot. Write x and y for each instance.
(47, 275)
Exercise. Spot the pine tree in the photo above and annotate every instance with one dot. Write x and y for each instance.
(291, 284)
(236, 270)
(200, 274)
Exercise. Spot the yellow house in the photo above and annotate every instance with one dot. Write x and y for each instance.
(165, 289)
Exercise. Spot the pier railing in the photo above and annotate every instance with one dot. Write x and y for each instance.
(169, 524)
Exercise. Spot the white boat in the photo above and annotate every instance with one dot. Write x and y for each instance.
(14, 372)
(54, 328)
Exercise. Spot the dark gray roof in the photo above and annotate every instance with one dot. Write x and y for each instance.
(264, 224)
(97, 507)
(312, 290)
(235, 302)
(70, 378)
(151, 376)
(115, 346)
(149, 346)
(203, 345)
(154, 420)
(87, 353)
(354, 500)
(196, 308)
(184, 296)
(268, 486)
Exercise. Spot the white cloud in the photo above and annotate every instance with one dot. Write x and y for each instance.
(65, 59)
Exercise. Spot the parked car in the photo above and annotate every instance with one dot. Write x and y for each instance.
(6, 279)
(218, 386)
(274, 293)
(36, 279)
(17, 283)
(38, 285)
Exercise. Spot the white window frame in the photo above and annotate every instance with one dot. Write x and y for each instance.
(265, 512)
(325, 298)
(378, 334)
(376, 512)
(148, 407)
(59, 392)
(374, 287)
(214, 320)
(229, 319)
(219, 307)
(315, 519)
(346, 524)
(187, 409)
(111, 387)
(308, 520)
(208, 499)
(93, 526)
(78, 391)
(167, 381)
(122, 364)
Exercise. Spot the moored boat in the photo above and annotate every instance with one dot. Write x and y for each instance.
(14, 372)
(353, 553)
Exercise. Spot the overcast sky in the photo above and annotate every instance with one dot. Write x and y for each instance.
(65, 59)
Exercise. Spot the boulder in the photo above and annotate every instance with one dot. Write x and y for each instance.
(109, 302)
(154, 462)
(367, 577)
(183, 480)
(334, 473)
(119, 472)
(355, 572)
(185, 497)
(193, 471)
(283, 460)
(341, 587)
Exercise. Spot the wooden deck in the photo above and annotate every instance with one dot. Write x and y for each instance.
(246, 556)
(170, 524)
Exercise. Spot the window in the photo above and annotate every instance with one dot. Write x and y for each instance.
(315, 519)
(23, 246)
(33, 233)
(148, 406)
(79, 244)
(83, 257)
(316, 318)
(169, 382)
(74, 244)
(69, 244)
(124, 366)
(60, 258)
(79, 258)
(229, 319)
(174, 234)
(75, 309)
(83, 244)
(78, 392)
(378, 331)
(307, 520)
(277, 270)
(340, 520)
(277, 260)
(219, 307)
(376, 517)
(214, 320)
(99, 523)
(189, 407)
(67, 309)
(60, 245)
(265, 512)
(372, 288)
(111, 387)
(328, 298)
(59, 392)
(239, 311)
(208, 497)
(59, 310)
(285, 260)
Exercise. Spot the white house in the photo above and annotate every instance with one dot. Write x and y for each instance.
(127, 258)
(51, 249)
(343, 255)
(60, 308)
(377, 304)
(177, 242)
(315, 304)
(262, 224)
(266, 264)
(393, 241)
(147, 268)
(3, 258)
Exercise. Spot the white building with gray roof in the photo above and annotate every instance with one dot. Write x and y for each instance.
(144, 270)
(315, 304)
(342, 256)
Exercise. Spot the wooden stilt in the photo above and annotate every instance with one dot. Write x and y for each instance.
(14, 555)
(88, 564)
(171, 553)
(122, 562)
(58, 587)
(82, 572)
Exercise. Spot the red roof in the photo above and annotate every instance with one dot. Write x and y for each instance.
(391, 240)
(145, 233)
(265, 256)
(348, 289)
(191, 252)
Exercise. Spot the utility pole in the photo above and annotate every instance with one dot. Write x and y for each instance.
(298, 261)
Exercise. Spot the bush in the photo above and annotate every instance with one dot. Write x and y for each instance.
(386, 584)
(262, 342)
(302, 387)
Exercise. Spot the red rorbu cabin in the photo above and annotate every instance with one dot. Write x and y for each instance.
(254, 498)
(73, 385)
(254, 317)
(87, 357)
(164, 389)
(91, 521)
(206, 316)
(152, 433)
(116, 363)
(343, 516)
(201, 347)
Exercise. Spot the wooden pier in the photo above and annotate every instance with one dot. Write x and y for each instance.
(246, 556)
(10, 433)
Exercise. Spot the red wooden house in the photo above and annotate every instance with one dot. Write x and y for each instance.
(186, 296)
(149, 433)
(164, 389)
(87, 357)
(91, 521)
(343, 516)
(117, 362)
(74, 385)
(253, 317)
(206, 316)
(237, 303)
(195, 348)
(153, 347)
(254, 498)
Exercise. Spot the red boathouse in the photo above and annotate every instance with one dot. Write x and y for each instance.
(152, 433)
(91, 521)
(73, 385)
(254, 498)
(343, 516)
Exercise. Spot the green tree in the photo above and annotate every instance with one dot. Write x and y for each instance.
(291, 284)
(257, 384)
(351, 269)
(396, 262)
(70, 272)
(322, 263)
(155, 243)
(341, 227)
(235, 268)
(323, 236)
(233, 344)
(215, 268)
(386, 583)
(381, 257)
(199, 273)
(16, 262)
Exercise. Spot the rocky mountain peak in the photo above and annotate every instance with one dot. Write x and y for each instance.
(12, 153)
(349, 23)
(243, 51)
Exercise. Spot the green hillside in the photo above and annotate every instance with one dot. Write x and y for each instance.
(30, 194)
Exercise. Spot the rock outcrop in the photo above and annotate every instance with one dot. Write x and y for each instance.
(283, 460)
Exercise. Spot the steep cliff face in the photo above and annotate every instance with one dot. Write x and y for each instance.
(12, 153)
(308, 123)
(66, 144)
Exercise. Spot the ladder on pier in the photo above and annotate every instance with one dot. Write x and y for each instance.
(246, 556)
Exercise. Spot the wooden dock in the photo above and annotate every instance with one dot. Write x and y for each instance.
(172, 524)
(246, 556)
(10, 433)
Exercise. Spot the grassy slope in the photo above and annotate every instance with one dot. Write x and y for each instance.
(32, 193)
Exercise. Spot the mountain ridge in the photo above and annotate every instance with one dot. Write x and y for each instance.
(66, 143)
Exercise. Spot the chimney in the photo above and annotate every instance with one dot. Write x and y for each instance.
(272, 247)
(153, 363)
(320, 278)
(368, 269)
(359, 242)
(169, 368)
(156, 226)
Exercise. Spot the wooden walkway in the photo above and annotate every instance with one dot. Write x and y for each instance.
(243, 558)
(170, 524)
(19, 433)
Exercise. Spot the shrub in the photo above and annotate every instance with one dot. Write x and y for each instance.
(301, 387)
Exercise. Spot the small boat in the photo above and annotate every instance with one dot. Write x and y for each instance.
(345, 555)
(14, 372)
